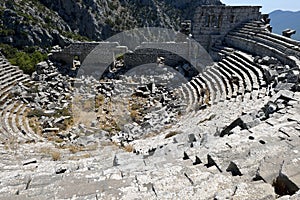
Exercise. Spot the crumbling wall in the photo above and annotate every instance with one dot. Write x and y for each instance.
(79, 49)
(172, 52)
(214, 22)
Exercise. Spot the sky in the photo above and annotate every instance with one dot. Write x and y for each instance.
(268, 5)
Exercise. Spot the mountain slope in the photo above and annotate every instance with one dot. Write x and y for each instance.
(281, 20)
(50, 22)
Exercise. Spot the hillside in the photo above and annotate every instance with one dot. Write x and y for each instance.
(49, 22)
(281, 20)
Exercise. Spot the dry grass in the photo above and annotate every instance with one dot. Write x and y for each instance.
(135, 116)
(83, 112)
(11, 144)
(91, 147)
(136, 108)
(128, 148)
(79, 157)
(207, 99)
(52, 137)
(75, 148)
(171, 134)
(99, 101)
(35, 125)
(54, 154)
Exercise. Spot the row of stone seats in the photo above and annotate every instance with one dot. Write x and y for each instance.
(13, 126)
(258, 41)
(244, 64)
(233, 77)
(288, 42)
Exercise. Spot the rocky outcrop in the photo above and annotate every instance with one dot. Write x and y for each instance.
(28, 23)
(47, 23)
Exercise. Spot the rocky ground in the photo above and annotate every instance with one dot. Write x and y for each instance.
(135, 138)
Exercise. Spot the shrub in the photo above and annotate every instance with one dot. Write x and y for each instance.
(119, 57)
(55, 155)
(75, 36)
(6, 32)
(26, 59)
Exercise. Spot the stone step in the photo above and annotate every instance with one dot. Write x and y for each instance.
(285, 39)
(237, 73)
(4, 65)
(201, 88)
(244, 73)
(189, 96)
(19, 132)
(4, 136)
(6, 121)
(248, 69)
(251, 25)
(220, 84)
(214, 87)
(12, 81)
(207, 86)
(226, 84)
(231, 74)
(227, 78)
(7, 76)
(197, 89)
(182, 93)
(275, 43)
(258, 48)
(275, 40)
(192, 96)
(23, 125)
(251, 30)
(248, 61)
(6, 71)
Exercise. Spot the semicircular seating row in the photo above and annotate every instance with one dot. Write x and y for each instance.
(254, 38)
(231, 78)
(14, 126)
(237, 73)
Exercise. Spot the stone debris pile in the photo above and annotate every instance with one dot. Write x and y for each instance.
(231, 132)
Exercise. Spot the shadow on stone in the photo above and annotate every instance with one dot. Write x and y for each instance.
(284, 186)
(233, 168)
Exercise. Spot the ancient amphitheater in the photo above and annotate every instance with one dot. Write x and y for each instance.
(231, 132)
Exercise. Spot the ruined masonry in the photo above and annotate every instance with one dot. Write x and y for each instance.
(231, 132)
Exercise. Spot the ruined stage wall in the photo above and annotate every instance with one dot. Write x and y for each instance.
(214, 22)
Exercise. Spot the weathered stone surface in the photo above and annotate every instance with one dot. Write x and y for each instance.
(148, 146)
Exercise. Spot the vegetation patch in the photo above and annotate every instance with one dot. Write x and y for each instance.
(54, 154)
(26, 59)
